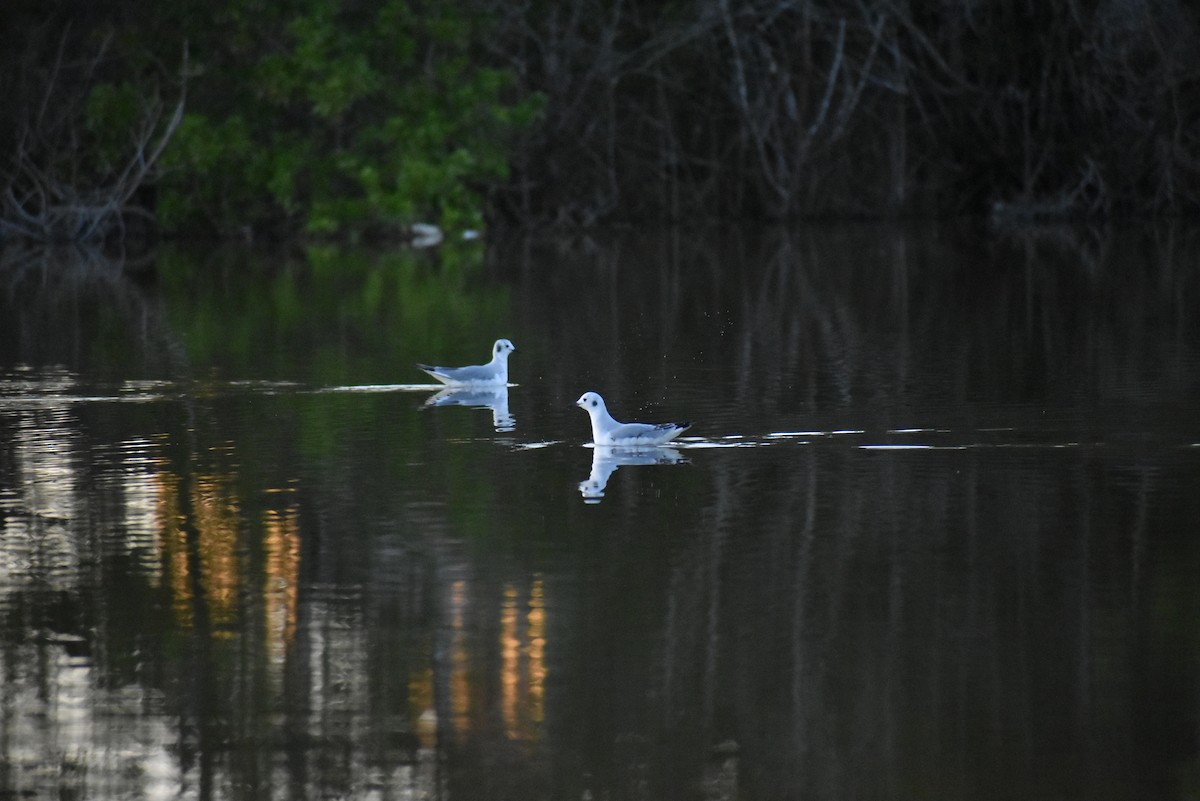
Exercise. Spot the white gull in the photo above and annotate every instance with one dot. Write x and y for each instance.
(493, 373)
(607, 431)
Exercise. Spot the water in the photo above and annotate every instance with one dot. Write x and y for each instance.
(932, 535)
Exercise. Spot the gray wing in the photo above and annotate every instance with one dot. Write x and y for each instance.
(647, 432)
(475, 374)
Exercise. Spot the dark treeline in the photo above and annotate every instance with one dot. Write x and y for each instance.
(334, 117)
(876, 107)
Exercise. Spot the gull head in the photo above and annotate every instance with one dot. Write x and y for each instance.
(502, 348)
(591, 403)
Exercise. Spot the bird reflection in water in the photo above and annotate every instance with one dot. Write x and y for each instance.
(607, 458)
(481, 397)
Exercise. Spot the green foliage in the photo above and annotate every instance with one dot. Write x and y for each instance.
(330, 118)
(113, 109)
(349, 118)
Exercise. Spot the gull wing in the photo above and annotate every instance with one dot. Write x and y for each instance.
(646, 433)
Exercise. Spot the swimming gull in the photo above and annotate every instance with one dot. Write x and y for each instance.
(607, 431)
(493, 373)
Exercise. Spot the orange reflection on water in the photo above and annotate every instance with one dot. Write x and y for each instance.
(281, 546)
(513, 666)
(522, 659)
(216, 516)
(510, 661)
(175, 548)
(460, 658)
(537, 650)
(215, 521)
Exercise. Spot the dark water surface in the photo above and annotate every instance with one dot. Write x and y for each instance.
(934, 533)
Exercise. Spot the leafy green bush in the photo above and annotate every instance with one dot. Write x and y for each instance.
(337, 118)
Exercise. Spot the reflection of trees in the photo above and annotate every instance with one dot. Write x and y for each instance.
(228, 605)
(242, 640)
(819, 327)
(918, 631)
(187, 563)
(844, 623)
(906, 627)
(66, 654)
(72, 306)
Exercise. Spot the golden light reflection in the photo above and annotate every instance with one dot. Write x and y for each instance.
(281, 544)
(537, 650)
(510, 661)
(522, 659)
(175, 548)
(216, 513)
(460, 659)
(519, 669)
(215, 517)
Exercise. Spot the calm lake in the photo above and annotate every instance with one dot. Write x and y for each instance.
(934, 533)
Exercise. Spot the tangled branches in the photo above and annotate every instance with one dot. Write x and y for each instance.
(787, 108)
(74, 172)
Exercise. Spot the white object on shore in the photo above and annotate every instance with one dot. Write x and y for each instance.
(425, 235)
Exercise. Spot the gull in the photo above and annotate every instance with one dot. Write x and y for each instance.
(607, 431)
(494, 373)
